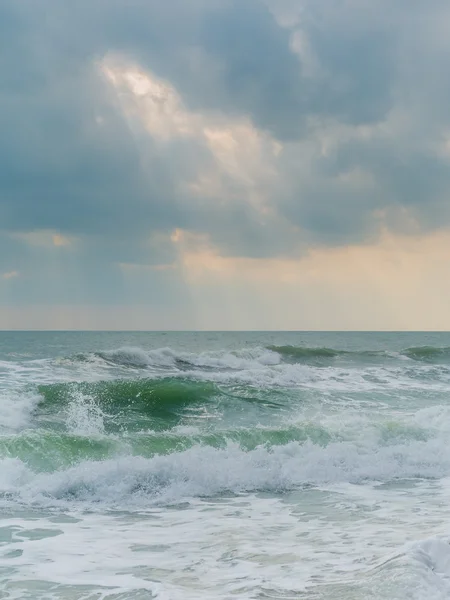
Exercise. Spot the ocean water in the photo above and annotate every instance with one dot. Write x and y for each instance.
(191, 466)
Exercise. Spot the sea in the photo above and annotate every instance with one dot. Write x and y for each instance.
(204, 466)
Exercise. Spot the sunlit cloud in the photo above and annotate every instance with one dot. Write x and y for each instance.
(60, 240)
(241, 151)
(44, 239)
(391, 284)
(10, 275)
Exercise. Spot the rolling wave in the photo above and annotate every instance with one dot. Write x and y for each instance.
(163, 359)
(428, 354)
(164, 394)
(303, 353)
(127, 405)
(45, 450)
(166, 358)
(122, 404)
(201, 471)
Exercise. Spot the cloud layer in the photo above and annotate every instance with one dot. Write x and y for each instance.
(256, 130)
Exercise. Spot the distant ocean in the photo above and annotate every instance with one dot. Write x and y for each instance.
(203, 466)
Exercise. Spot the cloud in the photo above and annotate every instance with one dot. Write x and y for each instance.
(265, 129)
(398, 283)
(10, 275)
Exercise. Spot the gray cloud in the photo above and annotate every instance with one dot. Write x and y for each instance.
(71, 162)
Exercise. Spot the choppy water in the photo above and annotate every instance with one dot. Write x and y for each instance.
(224, 465)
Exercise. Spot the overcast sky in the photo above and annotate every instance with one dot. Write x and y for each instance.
(225, 164)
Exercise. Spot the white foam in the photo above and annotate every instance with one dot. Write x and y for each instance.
(138, 357)
(255, 366)
(16, 406)
(422, 572)
(206, 471)
(435, 418)
(434, 554)
(314, 545)
(166, 357)
(84, 415)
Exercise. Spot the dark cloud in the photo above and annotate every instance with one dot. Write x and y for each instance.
(68, 159)
(60, 168)
(261, 75)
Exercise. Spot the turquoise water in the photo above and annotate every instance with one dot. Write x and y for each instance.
(224, 465)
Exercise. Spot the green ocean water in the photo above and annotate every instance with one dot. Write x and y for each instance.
(224, 465)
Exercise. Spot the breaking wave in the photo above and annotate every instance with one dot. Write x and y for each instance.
(204, 471)
(259, 357)
(158, 423)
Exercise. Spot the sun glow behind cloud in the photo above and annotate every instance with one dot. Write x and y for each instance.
(387, 282)
(241, 152)
(10, 275)
(397, 282)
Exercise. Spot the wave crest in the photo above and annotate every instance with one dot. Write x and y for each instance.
(428, 353)
(206, 471)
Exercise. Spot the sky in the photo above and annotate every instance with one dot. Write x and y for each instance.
(225, 164)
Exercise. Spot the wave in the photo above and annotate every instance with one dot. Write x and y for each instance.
(418, 570)
(207, 471)
(148, 394)
(126, 406)
(16, 406)
(138, 358)
(84, 435)
(306, 354)
(432, 555)
(161, 403)
(259, 357)
(123, 403)
(166, 358)
(48, 450)
(44, 450)
(428, 353)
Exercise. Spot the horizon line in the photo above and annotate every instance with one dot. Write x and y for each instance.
(224, 330)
